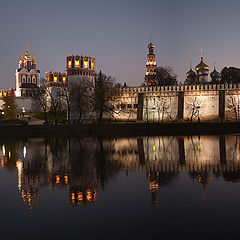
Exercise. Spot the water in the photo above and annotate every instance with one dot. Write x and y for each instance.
(122, 188)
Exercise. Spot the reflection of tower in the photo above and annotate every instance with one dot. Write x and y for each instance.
(153, 186)
(83, 180)
(151, 66)
(29, 180)
(27, 76)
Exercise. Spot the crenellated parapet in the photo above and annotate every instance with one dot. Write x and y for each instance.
(182, 88)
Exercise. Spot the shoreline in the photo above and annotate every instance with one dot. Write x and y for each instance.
(123, 129)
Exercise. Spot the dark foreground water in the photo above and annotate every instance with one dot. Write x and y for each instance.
(123, 188)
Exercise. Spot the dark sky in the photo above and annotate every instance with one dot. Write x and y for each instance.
(117, 34)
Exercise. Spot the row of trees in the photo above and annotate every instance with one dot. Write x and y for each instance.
(83, 98)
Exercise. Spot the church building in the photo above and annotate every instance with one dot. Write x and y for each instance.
(27, 75)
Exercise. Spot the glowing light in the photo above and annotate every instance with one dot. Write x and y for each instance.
(154, 147)
(89, 195)
(77, 63)
(80, 196)
(69, 64)
(3, 150)
(55, 78)
(57, 179)
(20, 169)
(24, 151)
(9, 154)
(73, 198)
(66, 179)
(64, 79)
(85, 64)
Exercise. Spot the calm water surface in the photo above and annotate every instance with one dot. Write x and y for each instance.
(122, 188)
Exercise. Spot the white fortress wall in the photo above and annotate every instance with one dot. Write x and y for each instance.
(207, 102)
(26, 103)
(232, 105)
(158, 105)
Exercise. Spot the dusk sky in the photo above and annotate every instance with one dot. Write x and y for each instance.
(117, 34)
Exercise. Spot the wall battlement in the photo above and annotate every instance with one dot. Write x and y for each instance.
(181, 88)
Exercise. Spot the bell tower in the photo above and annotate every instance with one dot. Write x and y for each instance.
(151, 66)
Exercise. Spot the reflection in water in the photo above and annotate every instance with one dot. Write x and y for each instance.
(86, 165)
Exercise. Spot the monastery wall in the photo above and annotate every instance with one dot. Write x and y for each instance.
(26, 103)
(183, 102)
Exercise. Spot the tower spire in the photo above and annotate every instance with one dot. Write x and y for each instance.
(151, 66)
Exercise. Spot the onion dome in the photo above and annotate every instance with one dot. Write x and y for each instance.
(150, 45)
(202, 68)
(215, 74)
(191, 73)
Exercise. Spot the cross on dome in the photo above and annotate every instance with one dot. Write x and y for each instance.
(201, 51)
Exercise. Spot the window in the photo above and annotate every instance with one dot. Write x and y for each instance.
(23, 79)
(135, 105)
(77, 63)
(129, 106)
(69, 64)
(55, 78)
(33, 79)
(29, 79)
(85, 64)
(64, 79)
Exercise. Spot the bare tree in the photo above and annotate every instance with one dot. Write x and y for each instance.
(41, 99)
(193, 105)
(65, 95)
(102, 95)
(162, 107)
(55, 102)
(233, 104)
(79, 100)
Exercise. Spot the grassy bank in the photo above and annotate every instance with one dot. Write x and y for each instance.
(124, 130)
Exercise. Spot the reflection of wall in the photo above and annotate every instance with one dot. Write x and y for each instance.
(86, 164)
(161, 152)
(201, 151)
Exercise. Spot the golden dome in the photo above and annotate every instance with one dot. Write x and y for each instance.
(202, 66)
(27, 56)
(150, 45)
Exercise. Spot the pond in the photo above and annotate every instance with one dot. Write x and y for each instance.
(169, 187)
